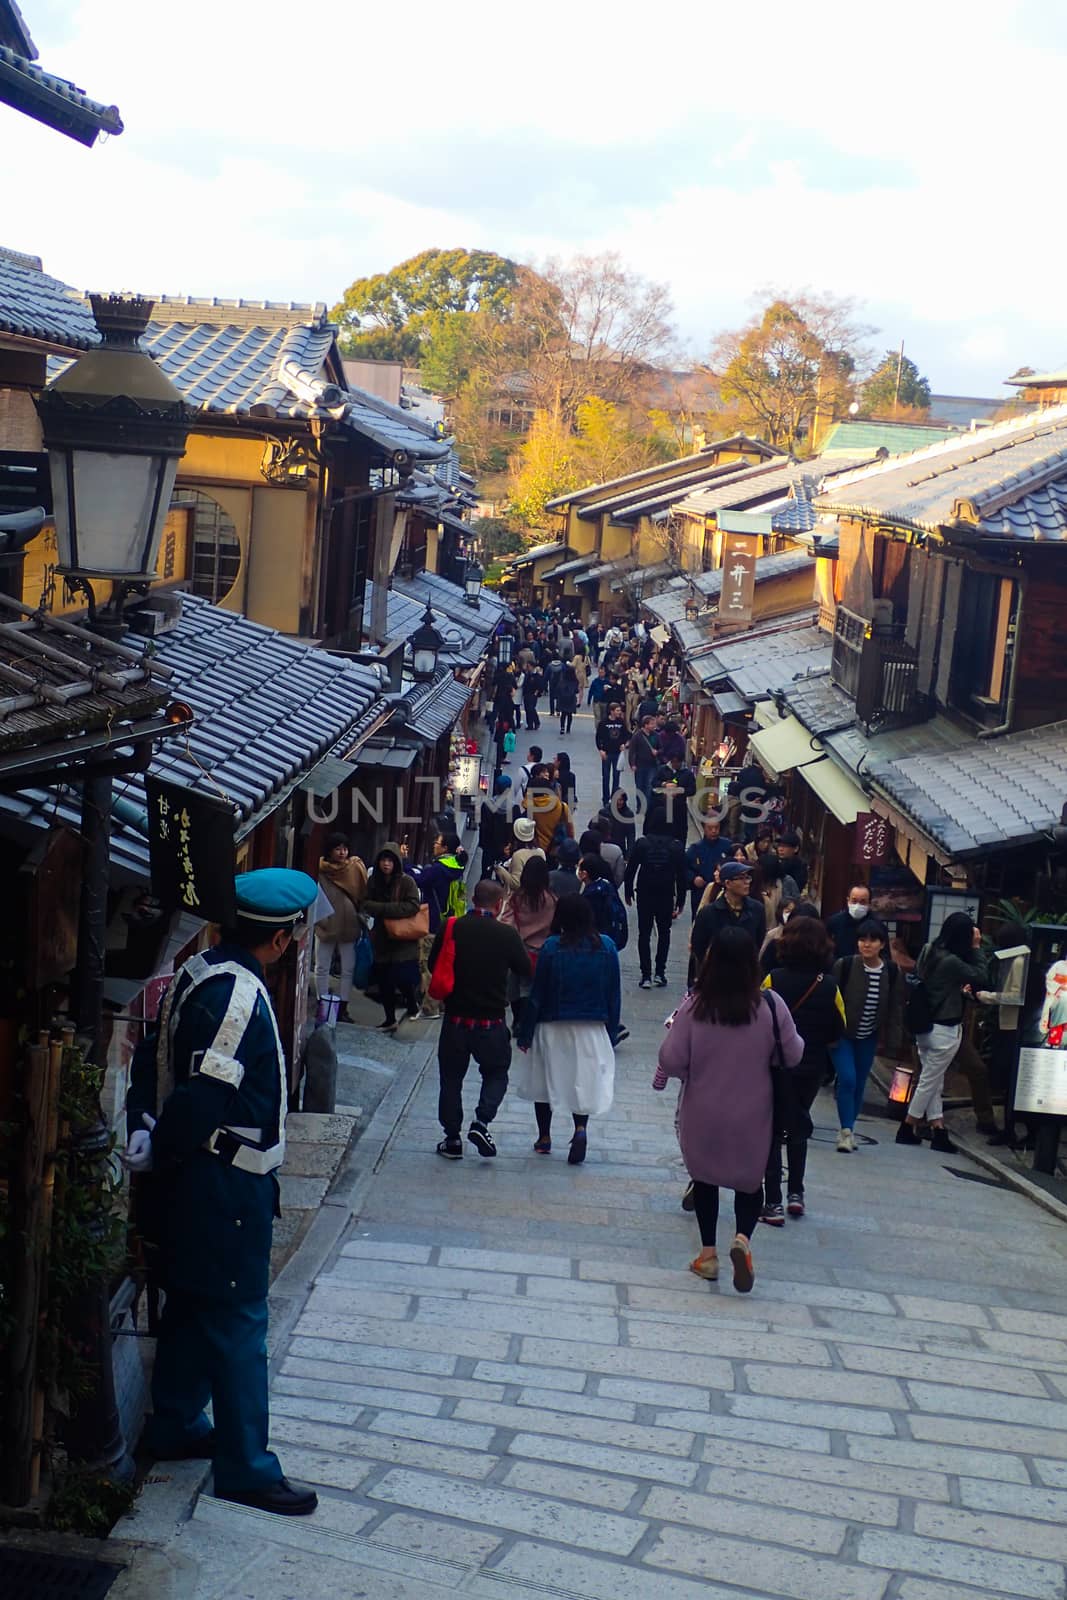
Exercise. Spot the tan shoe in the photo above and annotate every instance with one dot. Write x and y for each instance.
(744, 1271)
(706, 1267)
(845, 1142)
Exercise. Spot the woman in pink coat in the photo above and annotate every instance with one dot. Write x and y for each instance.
(722, 1045)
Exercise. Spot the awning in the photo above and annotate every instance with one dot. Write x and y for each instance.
(839, 793)
(783, 747)
(566, 568)
(729, 704)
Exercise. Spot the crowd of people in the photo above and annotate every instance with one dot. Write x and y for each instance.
(779, 1001)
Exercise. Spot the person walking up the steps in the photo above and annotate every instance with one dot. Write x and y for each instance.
(612, 737)
(871, 989)
(949, 968)
(726, 1044)
(814, 1000)
(656, 872)
(343, 880)
(487, 954)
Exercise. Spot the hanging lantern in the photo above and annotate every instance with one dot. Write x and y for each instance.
(426, 645)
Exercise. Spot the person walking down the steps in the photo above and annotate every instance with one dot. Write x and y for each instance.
(569, 1027)
(799, 975)
(612, 737)
(444, 892)
(399, 924)
(949, 969)
(214, 1076)
(871, 988)
(343, 880)
(488, 954)
(656, 873)
(529, 909)
(726, 1044)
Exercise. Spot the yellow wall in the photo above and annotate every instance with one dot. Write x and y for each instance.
(42, 555)
(207, 456)
(778, 596)
(272, 594)
(615, 540)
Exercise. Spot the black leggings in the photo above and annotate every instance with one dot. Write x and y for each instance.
(747, 1208)
(543, 1113)
(391, 991)
(565, 720)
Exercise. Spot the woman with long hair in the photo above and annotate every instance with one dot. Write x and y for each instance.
(723, 1045)
(569, 1026)
(800, 976)
(566, 782)
(529, 909)
(392, 896)
(950, 968)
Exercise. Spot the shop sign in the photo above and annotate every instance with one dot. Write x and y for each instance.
(465, 774)
(873, 839)
(738, 580)
(1041, 1085)
(192, 850)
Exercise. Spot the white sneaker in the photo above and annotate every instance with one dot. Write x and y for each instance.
(844, 1142)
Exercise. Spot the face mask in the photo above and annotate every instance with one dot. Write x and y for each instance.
(858, 912)
(786, 915)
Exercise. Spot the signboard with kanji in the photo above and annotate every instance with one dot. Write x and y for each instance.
(192, 850)
(873, 839)
(738, 580)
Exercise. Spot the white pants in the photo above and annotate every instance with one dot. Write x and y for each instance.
(324, 952)
(937, 1050)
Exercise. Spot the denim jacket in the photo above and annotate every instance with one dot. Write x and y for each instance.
(573, 985)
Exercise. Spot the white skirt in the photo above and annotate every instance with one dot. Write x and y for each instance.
(569, 1065)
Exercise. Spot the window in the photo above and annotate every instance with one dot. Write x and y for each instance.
(984, 643)
(216, 549)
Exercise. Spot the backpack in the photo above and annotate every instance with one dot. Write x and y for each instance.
(918, 1011)
(456, 901)
(618, 923)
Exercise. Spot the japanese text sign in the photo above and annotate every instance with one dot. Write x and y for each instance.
(873, 839)
(738, 579)
(192, 849)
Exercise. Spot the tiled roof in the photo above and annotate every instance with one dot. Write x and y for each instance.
(768, 656)
(432, 709)
(756, 486)
(865, 438)
(969, 483)
(1024, 381)
(450, 599)
(987, 795)
(268, 359)
(609, 569)
(62, 687)
(14, 32)
(646, 499)
(35, 306)
(641, 577)
(782, 565)
(819, 704)
(526, 558)
(56, 102)
(465, 640)
(577, 564)
(669, 605)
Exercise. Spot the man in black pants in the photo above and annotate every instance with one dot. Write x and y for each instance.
(612, 737)
(657, 863)
(486, 952)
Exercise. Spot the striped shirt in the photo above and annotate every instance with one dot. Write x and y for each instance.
(871, 1001)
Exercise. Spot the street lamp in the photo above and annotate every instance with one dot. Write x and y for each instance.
(503, 649)
(115, 429)
(472, 582)
(692, 609)
(426, 645)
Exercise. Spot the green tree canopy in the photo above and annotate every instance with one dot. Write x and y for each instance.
(411, 299)
(880, 394)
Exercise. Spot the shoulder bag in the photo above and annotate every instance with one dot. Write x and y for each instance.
(416, 927)
(443, 977)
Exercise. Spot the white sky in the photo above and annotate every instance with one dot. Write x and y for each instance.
(902, 154)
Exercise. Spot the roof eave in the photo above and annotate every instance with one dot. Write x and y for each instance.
(22, 88)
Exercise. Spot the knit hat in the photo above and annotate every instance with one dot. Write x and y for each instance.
(524, 830)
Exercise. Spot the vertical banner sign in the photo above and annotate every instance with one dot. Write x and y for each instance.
(738, 580)
(192, 850)
(872, 839)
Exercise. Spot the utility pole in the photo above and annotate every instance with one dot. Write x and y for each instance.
(900, 364)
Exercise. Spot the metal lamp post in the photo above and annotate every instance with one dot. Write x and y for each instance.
(426, 645)
(115, 429)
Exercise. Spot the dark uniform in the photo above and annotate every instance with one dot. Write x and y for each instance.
(217, 1068)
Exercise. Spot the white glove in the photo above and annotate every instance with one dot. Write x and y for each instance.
(138, 1156)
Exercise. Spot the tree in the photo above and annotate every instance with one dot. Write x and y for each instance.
(407, 302)
(883, 397)
(606, 442)
(545, 465)
(496, 537)
(798, 356)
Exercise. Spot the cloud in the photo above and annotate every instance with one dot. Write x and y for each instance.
(868, 153)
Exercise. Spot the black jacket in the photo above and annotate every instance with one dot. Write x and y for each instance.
(612, 735)
(843, 930)
(486, 952)
(818, 1014)
(657, 863)
(751, 917)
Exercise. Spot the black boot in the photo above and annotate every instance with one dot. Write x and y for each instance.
(906, 1134)
(939, 1140)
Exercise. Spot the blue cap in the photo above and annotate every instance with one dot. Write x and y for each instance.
(734, 869)
(274, 895)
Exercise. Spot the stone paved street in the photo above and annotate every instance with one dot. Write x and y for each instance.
(505, 1382)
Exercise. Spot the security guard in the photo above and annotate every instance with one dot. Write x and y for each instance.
(217, 1069)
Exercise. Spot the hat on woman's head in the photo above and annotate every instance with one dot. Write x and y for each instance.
(524, 830)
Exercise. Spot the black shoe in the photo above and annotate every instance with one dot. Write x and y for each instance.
(451, 1149)
(689, 1198)
(482, 1140)
(660, 980)
(645, 983)
(576, 1153)
(939, 1140)
(387, 1026)
(201, 1449)
(623, 1033)
(986, 1127)
(282, 1497)
(906, 1134)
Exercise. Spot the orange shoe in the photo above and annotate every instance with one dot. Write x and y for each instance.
(741, 1256)
(706, 1267)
